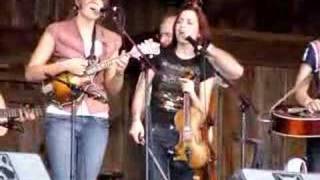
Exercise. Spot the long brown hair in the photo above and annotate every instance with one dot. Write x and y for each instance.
(204, 28)
(75, 7)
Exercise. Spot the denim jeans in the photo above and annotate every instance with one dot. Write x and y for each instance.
(89, 144)
(162, 141)
(313, 154)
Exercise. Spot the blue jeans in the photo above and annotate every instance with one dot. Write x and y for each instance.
(313, 154)
(89, 144)
(162, 141)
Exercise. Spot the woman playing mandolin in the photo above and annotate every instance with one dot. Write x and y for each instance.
(170, 84)
(71, 45)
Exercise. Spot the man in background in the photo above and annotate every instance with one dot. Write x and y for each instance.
(166, 29)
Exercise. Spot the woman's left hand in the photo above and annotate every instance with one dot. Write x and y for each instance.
(187, 85)
(122, 62)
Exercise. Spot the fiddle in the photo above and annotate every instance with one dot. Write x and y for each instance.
(193, 150)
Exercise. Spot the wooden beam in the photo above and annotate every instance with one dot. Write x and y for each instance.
(251, 48)
(261, 48)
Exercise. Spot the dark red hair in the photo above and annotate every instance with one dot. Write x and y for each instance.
(204, 28)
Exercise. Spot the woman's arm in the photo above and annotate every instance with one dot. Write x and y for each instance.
(37, 69)
(138, 107)
(303, 81)
(138, 102)
(224, 62)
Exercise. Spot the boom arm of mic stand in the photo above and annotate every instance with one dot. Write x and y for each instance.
(120, 26)
(244, 105)
(245, 102)
(146, 61)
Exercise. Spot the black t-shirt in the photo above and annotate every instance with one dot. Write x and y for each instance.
(167, 95)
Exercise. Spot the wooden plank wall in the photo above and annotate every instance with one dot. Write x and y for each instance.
(270, 72)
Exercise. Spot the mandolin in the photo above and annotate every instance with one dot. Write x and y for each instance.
(64, 88)
(11, 113)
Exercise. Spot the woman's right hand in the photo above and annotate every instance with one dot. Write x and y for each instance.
(75, 66)
(313, 105)
(137, 132)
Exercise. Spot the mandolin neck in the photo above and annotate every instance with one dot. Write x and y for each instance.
(105, 64)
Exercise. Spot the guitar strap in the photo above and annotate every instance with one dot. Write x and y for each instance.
(92, 57)
(91, 89)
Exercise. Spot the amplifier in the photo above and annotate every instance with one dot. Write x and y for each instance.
(22, 166)
(255, 174)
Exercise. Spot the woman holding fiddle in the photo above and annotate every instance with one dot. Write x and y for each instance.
(169, 84)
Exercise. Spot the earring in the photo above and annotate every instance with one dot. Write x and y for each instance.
(75, 7)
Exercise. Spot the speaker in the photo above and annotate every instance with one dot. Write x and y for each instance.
(22, 166)
(255, 174)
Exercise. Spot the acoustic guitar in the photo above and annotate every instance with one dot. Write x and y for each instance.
(8, 115)
(295, 121)
(63, 88)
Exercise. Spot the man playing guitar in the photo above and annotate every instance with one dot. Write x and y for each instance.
(23, 115)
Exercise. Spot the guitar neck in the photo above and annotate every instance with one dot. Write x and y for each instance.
(15, 112)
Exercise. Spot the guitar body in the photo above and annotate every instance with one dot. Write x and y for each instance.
(298, 124)
(194, 151)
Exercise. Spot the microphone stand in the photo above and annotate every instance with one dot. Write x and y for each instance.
(119, 20)
(245, 103)
(75, 91)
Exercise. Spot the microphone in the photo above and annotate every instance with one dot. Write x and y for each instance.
(198, 48)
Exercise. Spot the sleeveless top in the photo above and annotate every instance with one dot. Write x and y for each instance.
(69, 44)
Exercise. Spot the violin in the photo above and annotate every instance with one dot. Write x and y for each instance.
(194, 150)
